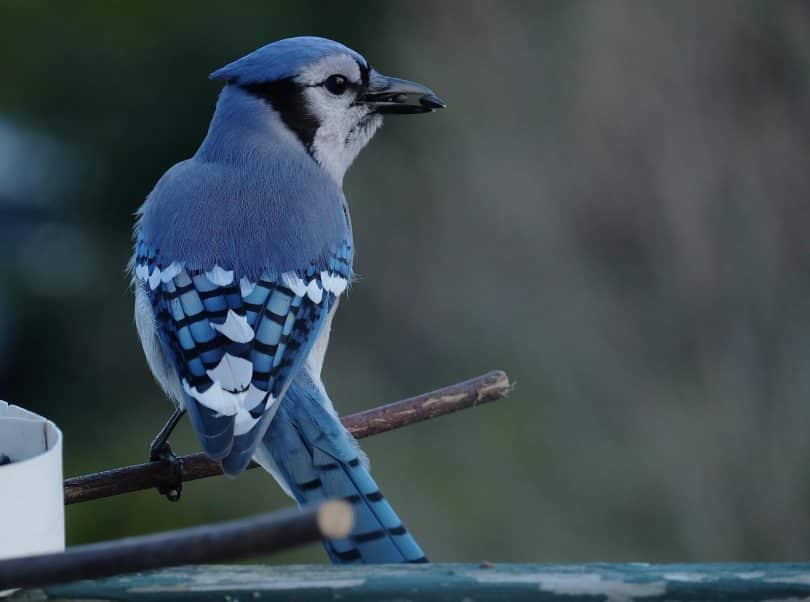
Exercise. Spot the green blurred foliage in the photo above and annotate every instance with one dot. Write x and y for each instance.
(612, 209)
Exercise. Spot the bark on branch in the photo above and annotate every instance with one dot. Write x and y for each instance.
(482, 389)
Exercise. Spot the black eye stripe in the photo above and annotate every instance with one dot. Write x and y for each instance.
(286, 97)
(365, 71)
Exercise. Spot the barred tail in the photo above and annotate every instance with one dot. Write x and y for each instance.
(312, 455)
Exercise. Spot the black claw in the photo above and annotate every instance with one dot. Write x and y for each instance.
(170, 480)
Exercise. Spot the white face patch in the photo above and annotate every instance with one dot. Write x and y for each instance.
(341, 64)
(345, 127)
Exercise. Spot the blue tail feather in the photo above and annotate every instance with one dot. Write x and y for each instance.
(313, 454)
(215, 432)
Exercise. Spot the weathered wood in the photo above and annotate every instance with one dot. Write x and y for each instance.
(224, 541)
(479, 583)
(482, 389)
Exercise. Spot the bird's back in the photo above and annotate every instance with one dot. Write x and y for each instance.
(270, 210)
(241, 252)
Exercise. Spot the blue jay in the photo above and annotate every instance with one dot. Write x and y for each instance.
(242, 253)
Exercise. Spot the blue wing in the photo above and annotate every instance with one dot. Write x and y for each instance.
(236, 344)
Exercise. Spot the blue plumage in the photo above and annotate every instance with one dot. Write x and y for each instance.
(191, 311)
(281, 59)
(249, 181)
(318, 459)
(242, 253)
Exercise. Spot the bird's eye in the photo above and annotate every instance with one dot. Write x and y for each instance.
(336, 84)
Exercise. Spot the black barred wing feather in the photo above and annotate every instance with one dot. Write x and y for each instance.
(236, 344)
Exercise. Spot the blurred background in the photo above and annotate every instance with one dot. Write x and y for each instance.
(613, 209)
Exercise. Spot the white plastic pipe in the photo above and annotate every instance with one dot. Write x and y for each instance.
(32, 515)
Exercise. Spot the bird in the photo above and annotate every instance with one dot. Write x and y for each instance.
(241, 256)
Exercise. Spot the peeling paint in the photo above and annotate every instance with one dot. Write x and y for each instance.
(246, 580)
(795, 579)
(613, 590)
(433, 582)
(750, 575)
(574, 584)
(687, 577)
(275, 585)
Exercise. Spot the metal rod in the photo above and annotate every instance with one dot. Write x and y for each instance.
(263, 534)
(470, 393)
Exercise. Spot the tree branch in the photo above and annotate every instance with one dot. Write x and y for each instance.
(482, 389)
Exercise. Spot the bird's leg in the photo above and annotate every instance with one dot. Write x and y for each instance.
(171, 484)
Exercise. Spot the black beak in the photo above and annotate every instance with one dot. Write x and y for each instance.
(391, 95)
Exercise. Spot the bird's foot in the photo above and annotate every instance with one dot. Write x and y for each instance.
(170, 479)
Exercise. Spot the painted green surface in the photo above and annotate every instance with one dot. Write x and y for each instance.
(463, 582)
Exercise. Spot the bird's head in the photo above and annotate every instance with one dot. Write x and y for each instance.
(326, 94)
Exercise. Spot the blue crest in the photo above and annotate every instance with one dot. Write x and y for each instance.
(281, 59)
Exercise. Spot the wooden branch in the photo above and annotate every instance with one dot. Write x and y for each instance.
(262, 534)
(482, 389)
